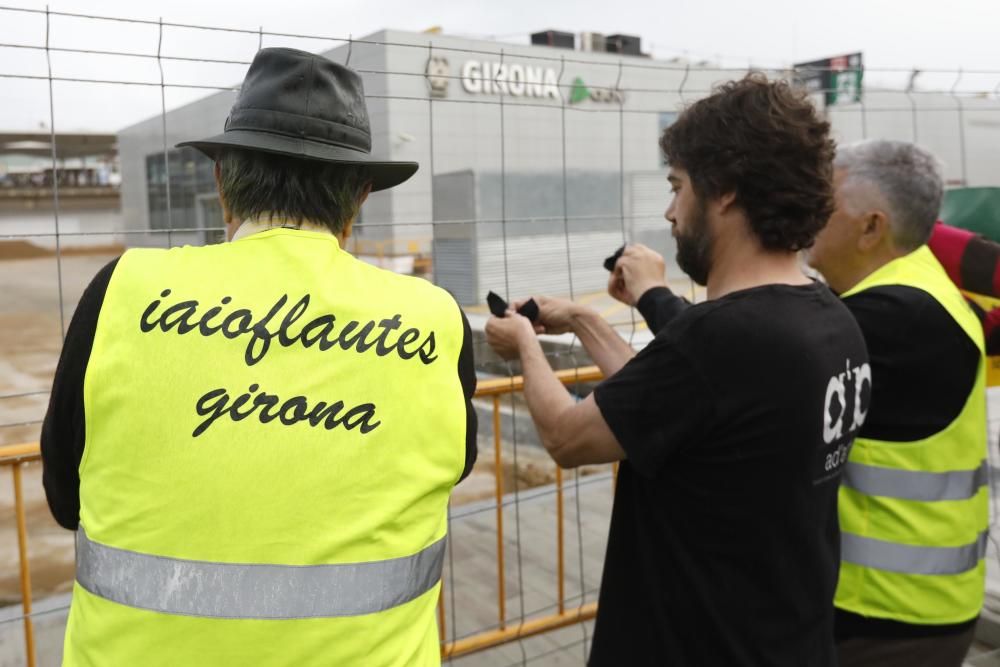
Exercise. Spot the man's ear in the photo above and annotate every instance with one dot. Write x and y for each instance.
(874, 231)
(726, 202)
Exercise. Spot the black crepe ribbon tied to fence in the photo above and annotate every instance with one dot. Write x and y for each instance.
(610, 262)
(499, 307)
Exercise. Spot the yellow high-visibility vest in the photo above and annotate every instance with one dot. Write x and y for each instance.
(273, 432)
(914, 515)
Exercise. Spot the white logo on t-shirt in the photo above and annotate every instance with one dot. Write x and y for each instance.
(835, 407)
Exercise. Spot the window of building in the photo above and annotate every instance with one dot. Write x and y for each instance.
(191, 176)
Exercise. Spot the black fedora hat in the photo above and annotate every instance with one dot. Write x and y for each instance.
(301, 105)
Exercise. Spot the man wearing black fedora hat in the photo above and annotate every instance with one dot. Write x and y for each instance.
(256, 441)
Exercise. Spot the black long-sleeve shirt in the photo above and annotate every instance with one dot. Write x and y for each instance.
(64, 428)
(923, 366)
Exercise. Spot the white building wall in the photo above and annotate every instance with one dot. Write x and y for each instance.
(471, 131)
(935, 121)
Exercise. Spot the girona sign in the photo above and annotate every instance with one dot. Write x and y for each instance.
(480, 77)
(483, 77)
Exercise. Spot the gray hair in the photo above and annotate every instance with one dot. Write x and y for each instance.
(899, 178)
(262, 185)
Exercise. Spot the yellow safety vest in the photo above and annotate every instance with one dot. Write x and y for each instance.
(914, 516)
(273, 432)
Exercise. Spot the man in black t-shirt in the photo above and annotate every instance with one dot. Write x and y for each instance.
(927, 365)
(734, 423)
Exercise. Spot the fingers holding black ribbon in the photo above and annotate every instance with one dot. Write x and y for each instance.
(609, 263)
(496, 304)
(499, 307)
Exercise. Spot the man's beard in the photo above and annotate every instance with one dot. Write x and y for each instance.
(694, 247)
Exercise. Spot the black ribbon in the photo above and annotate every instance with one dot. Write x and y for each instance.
(499, 307)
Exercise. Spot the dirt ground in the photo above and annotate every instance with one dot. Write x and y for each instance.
(29, 350)
(50, 548)
(30, 341)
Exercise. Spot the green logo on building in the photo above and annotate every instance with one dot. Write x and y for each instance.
(579, 92)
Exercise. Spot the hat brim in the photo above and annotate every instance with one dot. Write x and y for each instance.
(384, 174)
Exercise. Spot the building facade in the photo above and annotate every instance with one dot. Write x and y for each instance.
(535, 161)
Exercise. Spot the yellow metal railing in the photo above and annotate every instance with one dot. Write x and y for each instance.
(16, 456)
(383, 250)
(495, 389)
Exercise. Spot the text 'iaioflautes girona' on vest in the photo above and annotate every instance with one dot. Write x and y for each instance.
(187, 316)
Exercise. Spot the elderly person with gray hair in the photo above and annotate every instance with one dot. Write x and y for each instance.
(913, 501)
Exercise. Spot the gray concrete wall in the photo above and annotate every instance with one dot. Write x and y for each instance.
(937, 124)
(528, 137)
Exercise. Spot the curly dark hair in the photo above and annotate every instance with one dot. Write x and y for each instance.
(764, 142)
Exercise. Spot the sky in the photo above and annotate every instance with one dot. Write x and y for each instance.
(892, 34)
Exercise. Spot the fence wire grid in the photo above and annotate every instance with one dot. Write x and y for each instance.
(524, 186)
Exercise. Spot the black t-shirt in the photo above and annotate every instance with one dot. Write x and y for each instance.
(736, 420)
(924, 362)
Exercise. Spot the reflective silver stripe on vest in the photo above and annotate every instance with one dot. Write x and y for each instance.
(909, 559)
(230, 590)
(915, 485)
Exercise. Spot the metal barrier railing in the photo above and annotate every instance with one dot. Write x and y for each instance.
(563, 617)
(16, 456)
(383, 250)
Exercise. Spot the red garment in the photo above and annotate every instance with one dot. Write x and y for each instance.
(972, 261)
(948, 244)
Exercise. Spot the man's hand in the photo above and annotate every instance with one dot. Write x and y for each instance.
(555, 316)
(637, 270)
(507, 334)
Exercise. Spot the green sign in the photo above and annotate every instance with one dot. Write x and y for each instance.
(975, 209)
(838, 79)
(579, 92)
(845, 84)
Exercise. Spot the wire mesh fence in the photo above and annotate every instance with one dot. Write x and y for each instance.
(536, 163)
